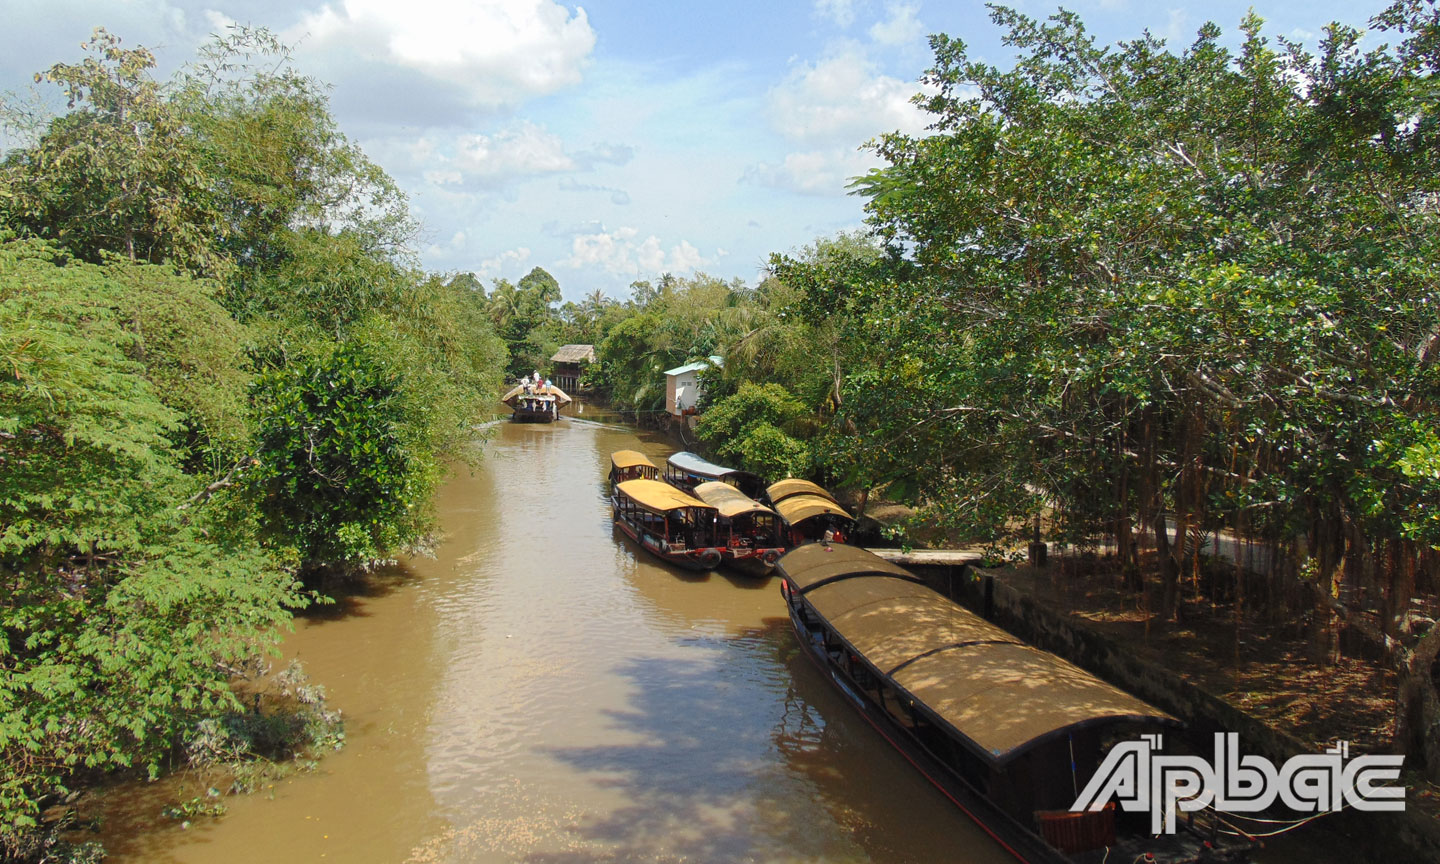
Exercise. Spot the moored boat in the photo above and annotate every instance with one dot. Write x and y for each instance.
(630, 465)
(685, 471)
(791, 486)
(537, 403)
(808, 512)
(1006, 731)
(749, 531)
(668, 523)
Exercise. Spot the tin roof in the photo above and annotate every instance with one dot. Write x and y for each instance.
(696, 366)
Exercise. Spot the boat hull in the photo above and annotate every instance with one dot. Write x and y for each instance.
(752, 562)
(690, 559)
(520, 415)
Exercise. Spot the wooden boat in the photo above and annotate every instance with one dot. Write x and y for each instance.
(535, 404)
(1008, 732)
(808, 512)
(749, 531)
(668, 523)
(685, 471)
(630, 465)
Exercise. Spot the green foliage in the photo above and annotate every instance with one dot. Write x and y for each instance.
(119, 173)
(1127, 261)
(748, 429)
(276, 160)
(344, 471)
(526, 320)
(681, 320)
(135, 586)
(120, 613)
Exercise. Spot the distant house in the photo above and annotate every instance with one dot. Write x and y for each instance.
(682, 386)
(569, 362)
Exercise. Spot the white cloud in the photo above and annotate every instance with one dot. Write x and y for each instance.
(497, 53)
(622, 253)
(842, 12)
(813, 172)
(487, 161)
(456, 244)
(901, 27)
(509, 261)
(618, 197)
(843, 99)
(1175, 27)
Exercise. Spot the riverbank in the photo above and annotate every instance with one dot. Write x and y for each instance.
(1218, 677)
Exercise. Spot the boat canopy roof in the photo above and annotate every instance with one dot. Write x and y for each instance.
(798, 508)
(690, 463)
(630, 459)
(659, 497)
(731, 502)
(816, 563)
(540, 392)
(783, 489)
(997, 694)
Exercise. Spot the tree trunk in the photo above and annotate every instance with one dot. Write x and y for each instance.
(1417, 705)
(1321, 629)
(1169, 567)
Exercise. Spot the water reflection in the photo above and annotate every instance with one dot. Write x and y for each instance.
(544, 691)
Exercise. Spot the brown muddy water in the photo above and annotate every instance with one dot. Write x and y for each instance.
(543, 691)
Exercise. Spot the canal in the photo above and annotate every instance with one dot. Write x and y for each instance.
(542, 691)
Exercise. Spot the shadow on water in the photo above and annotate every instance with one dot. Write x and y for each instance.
(746, 581)
(745, 755)
(352, 597)
(692, 787)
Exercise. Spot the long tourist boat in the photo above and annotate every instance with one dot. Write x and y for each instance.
(749, 531)
(668, 523)
(685, 471)
(1006, 731)
(808, 512)
(535, 404)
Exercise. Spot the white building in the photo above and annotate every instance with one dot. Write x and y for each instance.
(682, 386)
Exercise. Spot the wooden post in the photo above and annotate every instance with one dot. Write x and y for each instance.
(1037, 551)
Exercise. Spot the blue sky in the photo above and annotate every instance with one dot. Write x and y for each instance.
(615, 141)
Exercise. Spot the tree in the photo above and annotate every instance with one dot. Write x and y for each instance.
(122, 609)
(119, 173)
(749, 429)
(1157, 294)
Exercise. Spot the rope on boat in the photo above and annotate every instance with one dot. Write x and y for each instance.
(1289, 825)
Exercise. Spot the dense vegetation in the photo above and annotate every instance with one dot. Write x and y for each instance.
(219, 375)
(1140, 294)
(1136, 294)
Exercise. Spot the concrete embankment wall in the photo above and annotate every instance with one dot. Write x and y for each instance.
(1407, 836)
